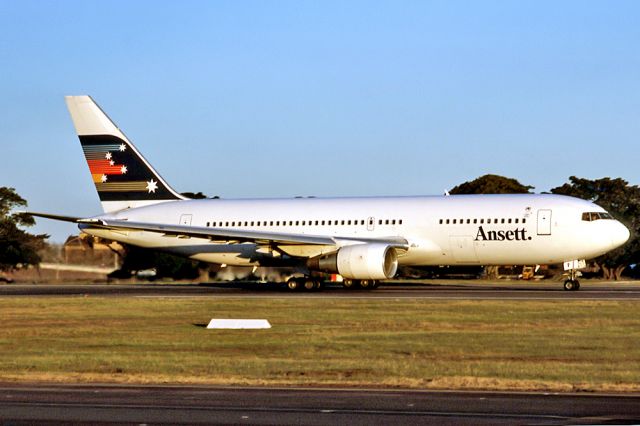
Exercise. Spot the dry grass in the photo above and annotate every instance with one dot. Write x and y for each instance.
(523, 345)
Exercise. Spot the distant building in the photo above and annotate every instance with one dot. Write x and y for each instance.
(86, 250)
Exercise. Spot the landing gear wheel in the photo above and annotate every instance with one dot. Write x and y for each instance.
(309, 284)
(571, 285)
(293, 284)
(375, 284)
(365, 284)
(348, 283)
(318, 285)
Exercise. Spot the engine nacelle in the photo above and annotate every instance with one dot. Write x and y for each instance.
(360, 261)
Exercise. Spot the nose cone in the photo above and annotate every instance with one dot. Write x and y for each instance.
(619, 235)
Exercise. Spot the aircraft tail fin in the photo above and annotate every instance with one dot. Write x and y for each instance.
(122, 176)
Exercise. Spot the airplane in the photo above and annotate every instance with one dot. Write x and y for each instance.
(364, 239)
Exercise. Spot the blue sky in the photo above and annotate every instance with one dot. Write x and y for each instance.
(271, 99)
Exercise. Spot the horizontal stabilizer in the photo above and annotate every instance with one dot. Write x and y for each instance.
(56, 217)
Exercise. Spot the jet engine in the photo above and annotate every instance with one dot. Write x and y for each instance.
(359, 261)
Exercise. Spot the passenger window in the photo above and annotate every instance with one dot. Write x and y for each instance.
(475, 221)
(454, 221)
(447, 221)
(400, 222)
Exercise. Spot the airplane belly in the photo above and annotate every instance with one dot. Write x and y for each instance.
(231, 259)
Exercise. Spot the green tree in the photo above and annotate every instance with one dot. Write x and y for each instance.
(198, 195)
(17, 247)
(194, 195)
(492, 184)
(623, 202)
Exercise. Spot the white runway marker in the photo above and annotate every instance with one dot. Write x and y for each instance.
(238, 324)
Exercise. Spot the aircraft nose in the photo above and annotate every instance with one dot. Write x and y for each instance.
(619, 235)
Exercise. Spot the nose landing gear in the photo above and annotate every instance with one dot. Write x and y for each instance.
(572, 284)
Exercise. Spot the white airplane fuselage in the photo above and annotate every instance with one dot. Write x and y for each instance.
(362, 239)
(523, 229)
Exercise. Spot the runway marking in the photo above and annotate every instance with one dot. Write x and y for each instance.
(425, 413)
(417, 297)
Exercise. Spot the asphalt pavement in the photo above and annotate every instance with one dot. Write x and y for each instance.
(102, 404)
(495, 290)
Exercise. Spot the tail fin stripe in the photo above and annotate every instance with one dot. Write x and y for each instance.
(100, 148)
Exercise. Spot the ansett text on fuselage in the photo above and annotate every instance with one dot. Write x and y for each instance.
(518, 234)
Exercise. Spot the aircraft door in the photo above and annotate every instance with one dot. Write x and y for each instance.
(371, 223)
(544, 222)
(463, 249)
(185, 219)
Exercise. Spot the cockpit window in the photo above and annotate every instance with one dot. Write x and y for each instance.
(591, 216)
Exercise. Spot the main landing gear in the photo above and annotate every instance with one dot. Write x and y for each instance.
(350, 284)
(572, 284)
(303, 283)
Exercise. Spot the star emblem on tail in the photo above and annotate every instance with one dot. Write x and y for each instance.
(152, 185)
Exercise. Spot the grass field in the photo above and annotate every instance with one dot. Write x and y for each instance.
(521, 345)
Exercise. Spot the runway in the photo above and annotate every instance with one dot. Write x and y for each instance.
(448, 290)
(79, 404)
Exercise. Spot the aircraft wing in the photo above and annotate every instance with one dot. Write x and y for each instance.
(226, 235)
(223, 234)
